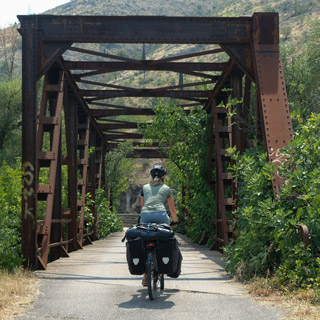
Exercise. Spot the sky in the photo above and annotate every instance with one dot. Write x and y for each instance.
(11, 8)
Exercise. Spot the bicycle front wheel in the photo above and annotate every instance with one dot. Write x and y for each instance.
(153, 276)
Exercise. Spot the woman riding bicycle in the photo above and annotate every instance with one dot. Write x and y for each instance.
(153, 198)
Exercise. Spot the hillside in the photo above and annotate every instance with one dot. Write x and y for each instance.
(295, 17)
(293, 13)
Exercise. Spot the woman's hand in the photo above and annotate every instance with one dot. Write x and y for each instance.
(173, 224)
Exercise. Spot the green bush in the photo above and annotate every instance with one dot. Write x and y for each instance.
(108, 221)
(267, 237)
(10, 216)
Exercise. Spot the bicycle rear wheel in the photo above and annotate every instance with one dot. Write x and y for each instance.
(153, 277)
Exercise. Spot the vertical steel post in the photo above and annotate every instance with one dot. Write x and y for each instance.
(70, 111)
(236, 86)
(92, 176)
(55, 236)
(29, 132)
(272, 94)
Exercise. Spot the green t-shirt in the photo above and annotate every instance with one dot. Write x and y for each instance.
(155, 197)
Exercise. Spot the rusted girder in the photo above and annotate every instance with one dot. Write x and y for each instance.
(141, 144)
(148, 65)
(186, 85)
(121, 58)
(142, 29)
(145, 93)
(147, 154)
(272, 93)
(112, 126)
(123, 135)
(120, 112)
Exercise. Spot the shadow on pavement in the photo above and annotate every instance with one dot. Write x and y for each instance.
(141, 300)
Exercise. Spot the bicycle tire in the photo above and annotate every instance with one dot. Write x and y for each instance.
(149, 268)
(153, 277)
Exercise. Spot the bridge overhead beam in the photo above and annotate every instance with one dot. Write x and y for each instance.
(147, 154)
(100, 113)
(145, 66)
(142, 29)
(145, 93)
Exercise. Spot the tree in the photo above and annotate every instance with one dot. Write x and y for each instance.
(10, 119)
(10, 43)
(302, 72)
(118, 170)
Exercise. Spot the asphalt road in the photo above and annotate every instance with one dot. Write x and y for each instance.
(94, 283)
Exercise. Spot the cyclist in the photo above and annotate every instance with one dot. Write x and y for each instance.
(153, 198)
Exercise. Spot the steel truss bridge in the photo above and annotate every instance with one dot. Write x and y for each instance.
(70, 94)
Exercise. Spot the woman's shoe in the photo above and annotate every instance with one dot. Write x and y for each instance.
(144, 282)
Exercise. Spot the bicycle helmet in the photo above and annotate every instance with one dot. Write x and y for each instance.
(158, 171)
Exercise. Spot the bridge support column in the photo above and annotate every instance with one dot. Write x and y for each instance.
(272, 94)
(29, 131)
(70, 110)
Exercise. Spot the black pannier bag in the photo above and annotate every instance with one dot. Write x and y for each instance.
(149, 232)
(136, 256)
(167, 255)
(177, 272)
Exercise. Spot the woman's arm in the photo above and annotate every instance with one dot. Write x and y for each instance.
(142, 202)
(172, 209)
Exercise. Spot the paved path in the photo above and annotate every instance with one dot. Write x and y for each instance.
(94, 283)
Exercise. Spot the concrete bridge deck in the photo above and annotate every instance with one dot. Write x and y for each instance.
(94, 283)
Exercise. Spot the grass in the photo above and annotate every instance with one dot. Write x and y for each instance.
(296, 305)
(18, 289)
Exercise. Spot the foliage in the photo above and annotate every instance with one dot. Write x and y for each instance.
(302, 76)
(10, 216)
(118, 170)
(267, 238)
(184, 137)
(108, 220)
(10, 124)
(10, 45)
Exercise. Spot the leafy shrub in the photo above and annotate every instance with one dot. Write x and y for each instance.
(108, 221)
(10, 216)
(267, 238)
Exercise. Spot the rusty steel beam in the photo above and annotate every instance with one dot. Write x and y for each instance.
(106, 94)
(112, 126)
(104, 55)
(179, 57)
(119, 112)
(148, 65)
(189, 55)
(70, 111)
(241, 54)
(141, 144)
(141, 29)
(272, 93)
(30, 64)
(146, 153)
(123, 135)
(108, 85)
